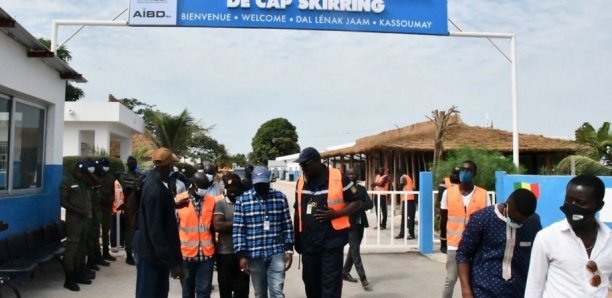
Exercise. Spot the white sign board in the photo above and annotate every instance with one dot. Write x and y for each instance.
(153, 12)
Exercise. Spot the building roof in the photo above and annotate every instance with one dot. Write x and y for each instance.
(35, 49)
(420, 137)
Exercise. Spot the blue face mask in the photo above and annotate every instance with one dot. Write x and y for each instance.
(465, 177)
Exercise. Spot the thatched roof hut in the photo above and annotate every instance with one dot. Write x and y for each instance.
(412, 147)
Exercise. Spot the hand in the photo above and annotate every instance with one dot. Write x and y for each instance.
(182, 203)
(244, 266)
(288, 260)
(177, 272)
(325, 214)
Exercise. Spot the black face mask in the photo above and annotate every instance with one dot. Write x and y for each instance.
(132, 166)
(262, 189)
(577, 216)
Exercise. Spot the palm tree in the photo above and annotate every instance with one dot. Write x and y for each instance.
(172, 132)
(599, 142)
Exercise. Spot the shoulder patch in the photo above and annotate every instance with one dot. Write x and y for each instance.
(74, 186)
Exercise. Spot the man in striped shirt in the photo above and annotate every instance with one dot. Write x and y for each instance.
(263, 235)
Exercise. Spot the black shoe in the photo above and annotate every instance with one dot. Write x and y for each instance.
(130, 261)
(80, 279)
(101, 262)
(410, 237)
(70, 284)
(107, 256)
(400, 236)
(93, 266)
(383, 228)
(349, 278)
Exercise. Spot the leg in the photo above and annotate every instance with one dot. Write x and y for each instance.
(276, 275)
(403, 221)
(189, 280)
(331, 273)
(225, 275)
(311, 274)
(203, 278)
(411, 215)
(241, 280)
(451, 274)
(259, 277)
(443, 220)
(350, 256)
(151, 279)
(356, 253)
(383, 207)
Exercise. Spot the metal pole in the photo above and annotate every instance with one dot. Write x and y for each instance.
(57, 23)
(512, 37)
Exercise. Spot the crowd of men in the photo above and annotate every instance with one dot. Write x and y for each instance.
(184, 228)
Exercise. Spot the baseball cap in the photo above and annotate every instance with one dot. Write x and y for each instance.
(81, 165)
(261, 175)
(163, 156)
(308, 154)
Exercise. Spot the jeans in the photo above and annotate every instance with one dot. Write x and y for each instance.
(268, 274)
(451, 274)
(151, 279)
(354, 254)
(198, 278)
(232, 282)
(322, 273)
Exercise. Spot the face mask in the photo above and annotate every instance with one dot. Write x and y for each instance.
(91, 169)
(465, 177)
(576, 215)
(262, 189)
(231, 196)
(201, 192)
(509, 221)
(105, 169)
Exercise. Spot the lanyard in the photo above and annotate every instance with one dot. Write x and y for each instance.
(263, 206)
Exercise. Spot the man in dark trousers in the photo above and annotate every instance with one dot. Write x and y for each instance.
(159, 246)
(324, 201)
(381, 183)
(408, 206)
(129, 183)
(359, 221)
(107, 191)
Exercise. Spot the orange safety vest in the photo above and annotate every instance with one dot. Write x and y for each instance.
(447, 182)
(459, 214)
(379, 178)
(335, 199)
(193, 230)
(409, 186)
(119, 196)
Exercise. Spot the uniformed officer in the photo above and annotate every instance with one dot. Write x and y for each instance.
(107, 187)
(74, 197)
(94, 253)
(324, 201)
(128, 182)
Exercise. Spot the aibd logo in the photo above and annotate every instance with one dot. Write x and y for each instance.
(150, 14)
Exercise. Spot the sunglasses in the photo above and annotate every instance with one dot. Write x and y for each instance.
(596, 279)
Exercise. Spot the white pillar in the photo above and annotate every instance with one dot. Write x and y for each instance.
(102, 140)
(126, 148)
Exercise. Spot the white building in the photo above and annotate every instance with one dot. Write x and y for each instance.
(89, 127)
(32, 89)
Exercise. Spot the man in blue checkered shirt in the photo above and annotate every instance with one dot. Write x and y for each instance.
(263, 235)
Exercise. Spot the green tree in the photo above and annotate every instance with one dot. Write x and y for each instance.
(172, 132)
(276, 137)
(205, 147)
(72, 93)
(599, 142)
(488, 163)
(582, 165)
(137, 106)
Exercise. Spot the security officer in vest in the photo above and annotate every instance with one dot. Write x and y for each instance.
(74, 197)
(324, 201)
(461, 201)
(107, 191)
(196, 235)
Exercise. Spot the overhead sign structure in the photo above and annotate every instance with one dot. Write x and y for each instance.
(387, 16)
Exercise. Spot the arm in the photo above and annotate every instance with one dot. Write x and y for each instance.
(538, 268)
(238, 230)
(219, 223)
(471, 243)
(287, 229)
(64, 194)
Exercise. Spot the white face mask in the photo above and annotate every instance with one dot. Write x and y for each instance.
(210, 177)
(105, 169)
(201, 192)
(91, 169)
(509, 221)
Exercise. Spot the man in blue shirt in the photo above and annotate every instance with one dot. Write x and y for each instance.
(263, 235)
(493, 256)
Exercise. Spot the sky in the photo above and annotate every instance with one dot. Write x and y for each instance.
(336, 87)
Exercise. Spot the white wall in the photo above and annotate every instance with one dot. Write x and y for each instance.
(33, 80)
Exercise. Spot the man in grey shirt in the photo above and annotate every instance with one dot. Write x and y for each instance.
(232, 282)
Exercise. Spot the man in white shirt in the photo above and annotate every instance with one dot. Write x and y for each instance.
(573, 257)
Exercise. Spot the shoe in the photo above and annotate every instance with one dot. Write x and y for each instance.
(366, 285)
(443, 246)
(375, 228)
(93, 266)
(80, 279)
(383, 228)
(130, 260)
(107, 256)
(102, 262)
(400, 236)
(70, 284)
(410, 238)
(348, 278)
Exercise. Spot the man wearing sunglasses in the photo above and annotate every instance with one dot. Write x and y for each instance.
(573, 257)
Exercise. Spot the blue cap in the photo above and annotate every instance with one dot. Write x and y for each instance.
(261, 174)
